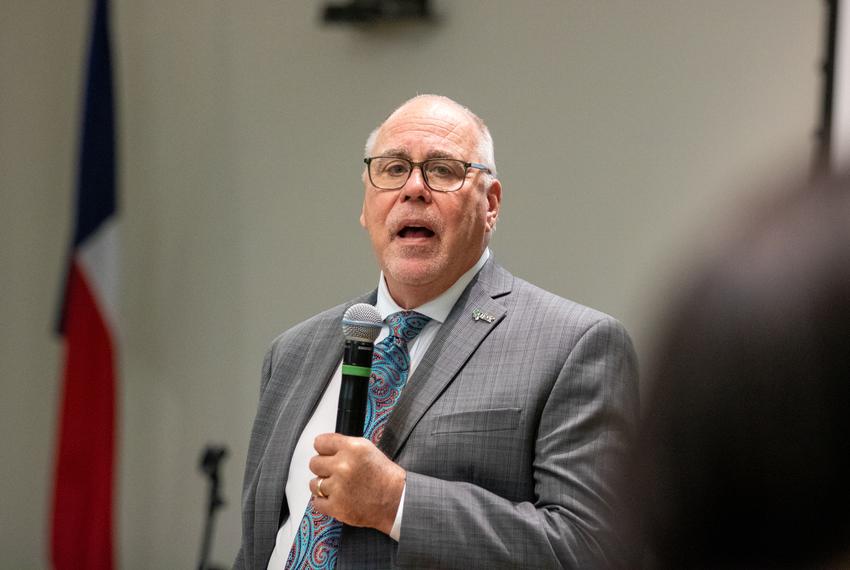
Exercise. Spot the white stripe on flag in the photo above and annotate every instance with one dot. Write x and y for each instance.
(98, 256)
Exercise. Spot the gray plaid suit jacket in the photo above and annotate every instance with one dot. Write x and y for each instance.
(511, 432)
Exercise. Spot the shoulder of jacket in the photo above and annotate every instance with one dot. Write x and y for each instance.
(304, 331)
(575, 317)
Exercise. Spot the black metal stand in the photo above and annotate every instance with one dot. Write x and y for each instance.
(823, 149)
(210, 460)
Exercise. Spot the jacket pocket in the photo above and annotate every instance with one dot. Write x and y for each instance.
(498, 419)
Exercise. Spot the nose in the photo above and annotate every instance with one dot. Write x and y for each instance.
(415, 187)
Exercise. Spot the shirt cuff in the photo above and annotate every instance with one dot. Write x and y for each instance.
(395, 532)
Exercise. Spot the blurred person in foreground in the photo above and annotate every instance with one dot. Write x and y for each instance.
(744, 459)
(518, 406)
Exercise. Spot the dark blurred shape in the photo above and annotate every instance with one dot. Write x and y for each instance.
(744, 459)
(211, 459)
(823, 149)
(370, 11)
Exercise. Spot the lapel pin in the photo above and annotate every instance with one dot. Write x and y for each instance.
(479, 315)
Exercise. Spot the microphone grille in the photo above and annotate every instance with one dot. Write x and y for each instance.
(361, 322)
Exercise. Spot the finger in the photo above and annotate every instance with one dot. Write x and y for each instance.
(319, 488)
(329, 443)
(321, 465)
(321, 505)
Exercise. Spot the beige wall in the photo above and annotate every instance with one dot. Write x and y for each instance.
(625, 134)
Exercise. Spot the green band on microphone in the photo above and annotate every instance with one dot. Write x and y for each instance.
(352, 370)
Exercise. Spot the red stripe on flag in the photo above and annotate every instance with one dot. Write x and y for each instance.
(82, 503)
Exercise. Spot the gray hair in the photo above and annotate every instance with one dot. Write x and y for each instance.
(486, 154)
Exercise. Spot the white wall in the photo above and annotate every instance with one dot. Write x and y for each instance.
(625, 134)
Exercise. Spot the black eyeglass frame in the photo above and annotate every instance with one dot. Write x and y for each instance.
(466, 166)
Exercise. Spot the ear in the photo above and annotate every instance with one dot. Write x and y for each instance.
(494, 202)
(364, 179)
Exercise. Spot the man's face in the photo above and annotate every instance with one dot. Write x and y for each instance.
(425, 240)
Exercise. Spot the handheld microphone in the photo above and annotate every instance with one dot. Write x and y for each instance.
(361, 325)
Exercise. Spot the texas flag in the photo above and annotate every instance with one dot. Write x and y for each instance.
(82, 517)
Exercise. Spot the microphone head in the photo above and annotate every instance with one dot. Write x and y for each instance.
(361, 322)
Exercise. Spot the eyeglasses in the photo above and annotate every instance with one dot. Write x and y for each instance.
(439, 174)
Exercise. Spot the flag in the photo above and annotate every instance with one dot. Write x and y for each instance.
(82, 514)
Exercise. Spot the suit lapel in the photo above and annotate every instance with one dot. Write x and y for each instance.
(456, 341)
(309, 378)
(325, 352)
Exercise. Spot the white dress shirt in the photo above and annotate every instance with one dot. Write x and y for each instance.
(323, 419)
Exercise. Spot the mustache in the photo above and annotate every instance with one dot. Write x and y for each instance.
(397, 222)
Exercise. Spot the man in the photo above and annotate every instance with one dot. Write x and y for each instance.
(500, 448)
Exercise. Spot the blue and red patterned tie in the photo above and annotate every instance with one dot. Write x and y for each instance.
(317, 541)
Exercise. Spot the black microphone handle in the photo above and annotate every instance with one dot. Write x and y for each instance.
(354, 392)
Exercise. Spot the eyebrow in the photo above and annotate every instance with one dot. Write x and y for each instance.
(402, 152)
(399, 152)
(440, 154)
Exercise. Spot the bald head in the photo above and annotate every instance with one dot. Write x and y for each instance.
(439, 105)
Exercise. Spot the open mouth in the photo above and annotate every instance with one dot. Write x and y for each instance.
(415, 232)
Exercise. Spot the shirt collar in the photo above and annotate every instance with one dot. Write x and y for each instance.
(437, 309)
